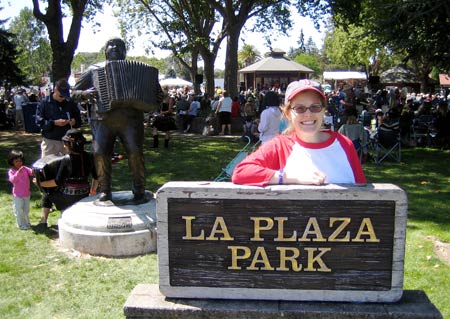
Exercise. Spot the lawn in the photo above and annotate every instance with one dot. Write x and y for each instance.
(41, 280)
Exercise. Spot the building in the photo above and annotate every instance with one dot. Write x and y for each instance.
(275, 70)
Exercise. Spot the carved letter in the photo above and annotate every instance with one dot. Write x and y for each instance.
(280, 235)
(257, 227)
(317, 259)
(295, 253)
(312, 223)
(345, 221)
(366, 223)
(235, 257)
(188, 228)
(222, 230)
(260, 252)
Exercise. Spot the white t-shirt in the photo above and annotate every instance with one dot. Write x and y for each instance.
(226, 104)
(269, 126)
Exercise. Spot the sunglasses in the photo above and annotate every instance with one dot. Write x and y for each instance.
(313, 108)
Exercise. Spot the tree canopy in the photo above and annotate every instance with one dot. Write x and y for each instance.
(271, 16)
(64, 50)
(31, 40)
(186, 28)
(10, 73)
(416, 29)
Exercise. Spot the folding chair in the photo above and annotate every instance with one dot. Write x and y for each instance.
(421, 130)
(387, 144)
(227, 171)
(359, 148)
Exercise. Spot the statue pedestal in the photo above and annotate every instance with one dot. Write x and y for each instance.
(112, 230)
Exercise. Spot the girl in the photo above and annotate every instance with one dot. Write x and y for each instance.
(19, 176)
(304, 153)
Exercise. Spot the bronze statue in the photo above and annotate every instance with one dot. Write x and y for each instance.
(117, 112)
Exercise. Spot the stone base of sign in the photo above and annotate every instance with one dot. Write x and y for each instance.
(146, 301)
(110, 230)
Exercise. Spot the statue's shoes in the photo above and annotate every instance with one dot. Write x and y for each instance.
(104, 196)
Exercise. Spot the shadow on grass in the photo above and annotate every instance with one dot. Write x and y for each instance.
(51, 232)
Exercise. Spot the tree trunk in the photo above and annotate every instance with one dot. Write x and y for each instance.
(62, 61)
(208, 61)
(62, 51)
(231, 62)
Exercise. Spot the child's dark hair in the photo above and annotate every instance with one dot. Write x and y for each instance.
(13, 155)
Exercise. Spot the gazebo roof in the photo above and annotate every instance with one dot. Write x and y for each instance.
(276, 62)
(398, 74)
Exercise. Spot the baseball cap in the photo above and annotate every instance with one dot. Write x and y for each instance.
(63, 87)
(296, 87)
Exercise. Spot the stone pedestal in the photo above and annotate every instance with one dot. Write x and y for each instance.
(112, 230)
(145, 301)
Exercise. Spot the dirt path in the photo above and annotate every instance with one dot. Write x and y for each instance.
(441, 249)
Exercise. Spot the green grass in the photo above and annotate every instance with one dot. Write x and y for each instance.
(41, 281)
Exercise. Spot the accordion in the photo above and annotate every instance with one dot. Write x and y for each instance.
(46, 168)
(126, 83)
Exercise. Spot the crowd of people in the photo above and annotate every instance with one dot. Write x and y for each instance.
(265, 116)
(422, 119)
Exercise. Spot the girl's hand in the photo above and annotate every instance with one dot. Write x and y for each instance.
(305, 177)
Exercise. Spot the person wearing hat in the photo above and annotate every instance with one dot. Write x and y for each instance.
(55, 115)
(305, 153)
(249, 109)
(20, 98)
(71, 182)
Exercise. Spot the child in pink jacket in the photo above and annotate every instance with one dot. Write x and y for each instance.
(19, 176)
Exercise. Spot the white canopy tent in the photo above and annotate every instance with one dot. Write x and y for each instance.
(175, 82)
(344, 75)
(349, 77)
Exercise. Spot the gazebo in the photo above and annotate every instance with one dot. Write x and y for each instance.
(273, 71)
(400, 76)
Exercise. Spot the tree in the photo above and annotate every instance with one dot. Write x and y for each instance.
(271, 15)
(248, 55)
(10, 73)
(311, 61)
(83, 59)
(188, 26)
(311, 47)
(354, 48)
(35, 54)
(416, 29)
(183, 27)
(64, 50)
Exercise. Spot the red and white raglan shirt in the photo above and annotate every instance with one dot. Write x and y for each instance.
(336, 158)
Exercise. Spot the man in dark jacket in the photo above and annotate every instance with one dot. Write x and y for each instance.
(55, 115)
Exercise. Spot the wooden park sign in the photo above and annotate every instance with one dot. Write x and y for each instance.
(328, 243)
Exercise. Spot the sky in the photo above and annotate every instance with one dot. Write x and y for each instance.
(93, 42)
